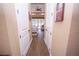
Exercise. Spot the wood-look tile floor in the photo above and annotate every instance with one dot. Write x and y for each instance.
(38, 47)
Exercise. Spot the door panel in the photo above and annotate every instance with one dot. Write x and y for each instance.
(49, 25)
(23, 26)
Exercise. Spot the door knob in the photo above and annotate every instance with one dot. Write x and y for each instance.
(20, 36)
(50, 33)
(29, 30)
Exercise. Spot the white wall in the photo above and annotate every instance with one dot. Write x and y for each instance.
(9, 33)
(73, 42)
(10, 44)
(61, 32)
(4, 40)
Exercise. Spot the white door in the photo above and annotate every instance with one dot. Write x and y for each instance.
(49, 25)
(23, 26)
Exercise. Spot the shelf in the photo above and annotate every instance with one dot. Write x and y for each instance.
(38, 14)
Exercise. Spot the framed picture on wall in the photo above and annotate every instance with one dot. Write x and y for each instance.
(59, 12)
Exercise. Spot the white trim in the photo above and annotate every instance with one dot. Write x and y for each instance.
(47, 47)
(27, 48)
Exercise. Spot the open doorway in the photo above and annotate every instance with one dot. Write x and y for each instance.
(38, 19)
(37, 13)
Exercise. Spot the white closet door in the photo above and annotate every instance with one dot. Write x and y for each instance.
(49, 25)
(23, 26)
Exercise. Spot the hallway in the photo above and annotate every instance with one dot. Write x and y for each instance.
(38, 47)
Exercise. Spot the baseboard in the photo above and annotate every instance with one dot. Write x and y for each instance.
(50, 53)
(27, 48)
(48, 47)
